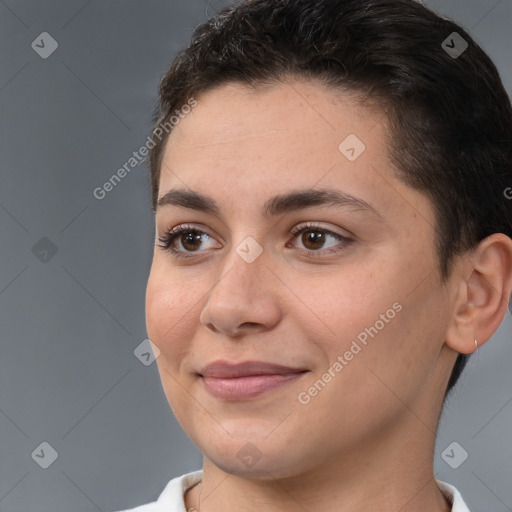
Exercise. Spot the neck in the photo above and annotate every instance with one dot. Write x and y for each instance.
(387, 477)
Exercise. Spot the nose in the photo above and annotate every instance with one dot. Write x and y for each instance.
(244, 299)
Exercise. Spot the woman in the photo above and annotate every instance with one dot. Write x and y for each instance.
(333, 240)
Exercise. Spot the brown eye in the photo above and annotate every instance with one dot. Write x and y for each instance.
(190, 241)
(188, 237)
(314, 239)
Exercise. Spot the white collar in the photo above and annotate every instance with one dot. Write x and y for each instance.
(172, 497)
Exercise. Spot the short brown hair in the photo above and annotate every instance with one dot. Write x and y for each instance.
(450, 117)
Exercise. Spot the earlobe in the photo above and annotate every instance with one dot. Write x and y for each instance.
(482, 299)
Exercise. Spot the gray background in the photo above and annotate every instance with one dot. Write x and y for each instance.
(70, 324)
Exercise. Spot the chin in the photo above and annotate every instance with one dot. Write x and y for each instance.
(266, 468)
(258, 459)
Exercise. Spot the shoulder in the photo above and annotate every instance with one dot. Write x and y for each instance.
(171, 498)
(458, 504)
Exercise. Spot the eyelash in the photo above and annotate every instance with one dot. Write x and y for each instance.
(167, 240)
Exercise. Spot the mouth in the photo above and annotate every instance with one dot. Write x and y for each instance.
(246, 380)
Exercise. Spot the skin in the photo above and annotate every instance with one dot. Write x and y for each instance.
(366, 440)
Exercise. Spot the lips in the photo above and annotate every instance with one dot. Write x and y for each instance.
(246, 380)
(225, 370)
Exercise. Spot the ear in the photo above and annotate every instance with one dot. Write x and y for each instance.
(483, 288)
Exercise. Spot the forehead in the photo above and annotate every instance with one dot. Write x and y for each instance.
(244, 145)
(299, 107)
(287, 127)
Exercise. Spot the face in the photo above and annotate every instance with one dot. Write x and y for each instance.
(342, 292)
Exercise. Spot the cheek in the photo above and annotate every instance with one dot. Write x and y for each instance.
(365, 317)
(169, 307)
(160, 312)
(169, 327)
(338, 306)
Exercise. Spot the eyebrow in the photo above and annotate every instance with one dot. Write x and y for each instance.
(277, 205)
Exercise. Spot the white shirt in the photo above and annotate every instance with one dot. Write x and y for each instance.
(172, 497)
